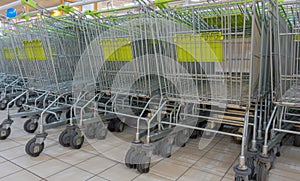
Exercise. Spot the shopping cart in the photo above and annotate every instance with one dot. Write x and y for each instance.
(284, 20)
(12, 81)
(48, 60)
(168, 72)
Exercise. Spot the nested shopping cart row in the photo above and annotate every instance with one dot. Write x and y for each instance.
(170, 71)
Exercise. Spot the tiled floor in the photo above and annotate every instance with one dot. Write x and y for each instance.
(97, 160)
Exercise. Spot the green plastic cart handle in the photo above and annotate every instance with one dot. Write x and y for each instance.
(66, 8)
(30, 3)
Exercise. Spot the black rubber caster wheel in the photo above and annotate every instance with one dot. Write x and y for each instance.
(4, 133)
(180, 139)
(90, 131)
(165, 149)
(50, 118)
(194, 135)
(250, 164)
(3, 104)
(119, 126)
(64, 138)
(144, 161)
(30, 126)
(262, 172)
(76, 141)
(19, 102)
(34, 149)
(111, 126)
(239, 178)
(297, 141)
(100, 133)
(130, 158)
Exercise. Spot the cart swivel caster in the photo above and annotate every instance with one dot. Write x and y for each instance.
(72, 137)
(35, 146)
(30, 126)
(76, 141)
(4, 133)
(5, 129)
(65, 136)
(34, 149)
(132, 155)
(241, 175)
(3, 104)
(144, 161)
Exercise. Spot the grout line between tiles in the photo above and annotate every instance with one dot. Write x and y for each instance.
(19, 170)
(198, 160)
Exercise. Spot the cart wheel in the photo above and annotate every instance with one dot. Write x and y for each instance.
(4, 133)
(64, 138)
(34, 149)
(130, 157)
(111, 126)
(90, 131)
(119, 126)
(194, 135)
(50, 118)
(297, 141)
(30, 126)
(250, 164)
(165, 150)
(76, 141)
(181, 139)
(100, 133)
(3, 104)
(239, 178)
(262, 172)
(144, 161)
(19, 102)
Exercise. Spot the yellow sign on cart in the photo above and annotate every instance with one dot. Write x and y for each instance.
(203, 47)
(117, 49)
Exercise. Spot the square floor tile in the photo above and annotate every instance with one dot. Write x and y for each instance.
(56, 150)
(8, 144)
(168, 170)
(21, 175)
(73, 173)
(221, 156)
(96, 164)
(89, 148)
(2, 160)
(215, 167)
(23, 139)
(28, 161)
(227, 179)
(286, 172)
(101, 147)
(186, 159)
(231, 148)
(75, 156)
(196, 175)
(8, 168)
(96, 178)
(150, 177)
(49, 167)
(275, 177)
(119, 172)
(13, 152)
(118, 153)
